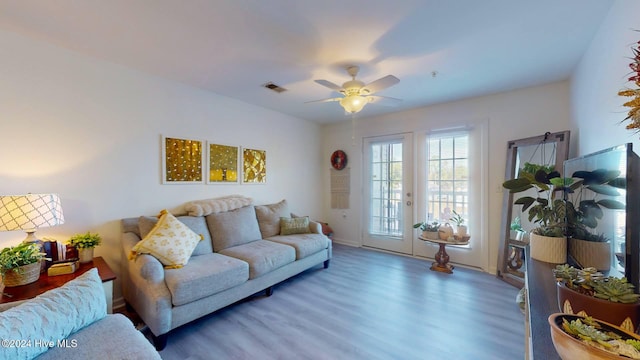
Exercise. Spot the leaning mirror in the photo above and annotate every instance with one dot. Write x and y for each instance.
(550, 149)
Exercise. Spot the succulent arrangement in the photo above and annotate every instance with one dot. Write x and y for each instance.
(589, 281)
(591, 332)
(12, 258)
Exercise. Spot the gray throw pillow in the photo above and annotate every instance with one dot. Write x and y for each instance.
(233, 228)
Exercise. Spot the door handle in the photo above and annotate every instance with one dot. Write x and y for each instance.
(408, 203)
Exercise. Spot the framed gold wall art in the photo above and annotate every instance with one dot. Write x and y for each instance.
(182, 161)
(223, 164)
(254, 166)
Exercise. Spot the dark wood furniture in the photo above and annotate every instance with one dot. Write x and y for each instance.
(45, 283)
(442, 258)
(542, 301)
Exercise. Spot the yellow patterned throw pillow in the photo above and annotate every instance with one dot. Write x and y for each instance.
(170, 241)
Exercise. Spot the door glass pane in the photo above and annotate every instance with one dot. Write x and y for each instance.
(386, 189)
(447, 176)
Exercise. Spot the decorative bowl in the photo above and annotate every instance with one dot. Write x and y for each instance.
(570, 348)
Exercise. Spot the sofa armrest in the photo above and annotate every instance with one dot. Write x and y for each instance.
(144, 288)
(315, 227)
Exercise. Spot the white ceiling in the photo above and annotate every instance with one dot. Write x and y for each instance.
(233, 47)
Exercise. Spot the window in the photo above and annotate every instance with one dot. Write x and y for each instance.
(447, 176)
(386, 189)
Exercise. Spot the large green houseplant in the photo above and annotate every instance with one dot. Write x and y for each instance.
(545, 204)
(587, 197)
(20, 264)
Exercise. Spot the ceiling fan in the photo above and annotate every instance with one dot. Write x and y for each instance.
(357, 94)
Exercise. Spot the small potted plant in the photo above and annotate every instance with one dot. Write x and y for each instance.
(20, 264)
(609, 298)
(517, 232)
(85, 243)
(459, 221)
(429, 230)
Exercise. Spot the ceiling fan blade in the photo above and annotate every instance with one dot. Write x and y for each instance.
(384, 100)
(379, 84)
(324, 100)
(329, 84)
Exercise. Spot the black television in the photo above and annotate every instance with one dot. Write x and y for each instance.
(606, 199)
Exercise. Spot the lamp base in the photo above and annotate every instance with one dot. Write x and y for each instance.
(32, 239)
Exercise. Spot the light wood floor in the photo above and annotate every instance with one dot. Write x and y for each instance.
(367, 305)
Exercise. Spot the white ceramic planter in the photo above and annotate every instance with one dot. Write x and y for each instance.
(548, 249)
(462, 230)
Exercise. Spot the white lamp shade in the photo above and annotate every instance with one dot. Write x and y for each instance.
(29, 212)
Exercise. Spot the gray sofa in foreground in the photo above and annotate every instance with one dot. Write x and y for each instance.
(243, 252)
(71, 323)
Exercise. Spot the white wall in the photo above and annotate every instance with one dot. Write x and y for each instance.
(90, 131)
(512, 115)
(596, 109)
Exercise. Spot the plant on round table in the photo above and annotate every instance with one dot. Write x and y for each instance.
(85, 241)
(12, 258)
(457, 219)
(424, 226)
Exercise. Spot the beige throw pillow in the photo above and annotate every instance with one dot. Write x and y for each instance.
(170, 241)
(269, 218)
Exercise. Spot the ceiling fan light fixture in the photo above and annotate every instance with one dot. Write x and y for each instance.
(353, 103)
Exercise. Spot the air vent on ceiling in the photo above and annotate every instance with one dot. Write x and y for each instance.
(274, 87)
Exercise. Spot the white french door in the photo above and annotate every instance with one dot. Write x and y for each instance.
(452, 176)
(388, 192)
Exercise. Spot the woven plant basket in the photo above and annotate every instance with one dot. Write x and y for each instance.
(26, 274)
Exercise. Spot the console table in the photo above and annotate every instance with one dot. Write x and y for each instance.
(542, 301)
(46, 282)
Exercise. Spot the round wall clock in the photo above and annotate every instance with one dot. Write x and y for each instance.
(338, 159)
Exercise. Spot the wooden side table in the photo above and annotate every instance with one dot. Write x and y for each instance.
(442, 258)
(46, 282)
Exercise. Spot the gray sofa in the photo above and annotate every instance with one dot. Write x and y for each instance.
(70, 322)
(243, 252)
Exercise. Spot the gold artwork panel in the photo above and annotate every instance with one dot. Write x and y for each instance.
(254, 166)
(223, 163)
(182, 161)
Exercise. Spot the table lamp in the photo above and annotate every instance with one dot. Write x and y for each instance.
(30, 212)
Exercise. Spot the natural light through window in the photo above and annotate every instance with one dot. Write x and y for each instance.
(447, 176)
(386, 189)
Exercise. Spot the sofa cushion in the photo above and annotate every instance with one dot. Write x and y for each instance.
(290, 226)
(263, 256)
(205, 275)
(113, 337)
(233, 228)
(305, 244)
(269, 217)
(53, 315)
(196, 223)
(170, 241)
